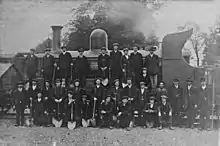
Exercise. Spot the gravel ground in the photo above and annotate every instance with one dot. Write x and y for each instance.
(40, 136)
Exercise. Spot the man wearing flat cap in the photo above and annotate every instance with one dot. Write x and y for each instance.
(31, 65)
(152, 64)
(103, 64)
(176, 100)
(136, 63)
(125, 114)
(190, 102)
(150, 112)
(165, 113)
(205, 100)
(82, 67)
(106, 109)
(125, 64)
(19, 103)
(115, 59)
(48, 65)
(64, 64)
(98, 95)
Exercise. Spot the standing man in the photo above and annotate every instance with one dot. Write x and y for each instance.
(190, 103)
(204, 95)
(31, 65)
(136, 63)
(48, 65)
(82, 67)
(64, 64)
(20, 103)
(103, 64)
(175, 94)
(152, 64)
(125, 64)
(115, 66)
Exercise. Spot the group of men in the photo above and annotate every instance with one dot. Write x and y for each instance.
(131, 99)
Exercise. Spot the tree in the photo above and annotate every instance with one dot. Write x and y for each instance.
(40, 48)
(198, 40)
(92, 15)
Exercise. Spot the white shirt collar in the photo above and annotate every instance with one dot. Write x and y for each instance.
(151, 55)
(189, 86)
(129, 86)
(97, 86)
(176, 86)
(64, 53)
(203, 87)
(34, 87)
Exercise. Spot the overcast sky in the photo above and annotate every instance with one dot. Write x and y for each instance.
(26, 23)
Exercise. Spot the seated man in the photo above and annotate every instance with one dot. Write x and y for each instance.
(125, 114)
(107, 113)
(41, 117)
(165, 113)
(150, 113)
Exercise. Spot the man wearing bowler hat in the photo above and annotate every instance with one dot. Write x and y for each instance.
(103, 64)
(115, 59)
(205, 100)
(190, 102)
(48, 65)
(136, 63)
(176, 100)
(82, 67)
(64, 63)
(31, 65)
(152, 64)
(19, 103)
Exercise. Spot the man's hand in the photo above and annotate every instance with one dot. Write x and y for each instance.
(119, 114)
(56, 100)
(71, 64)
(159, 114)
(170, 113)
(123, 70)
(196, 106)
(46, 98)
(103, 112)
(95, 98)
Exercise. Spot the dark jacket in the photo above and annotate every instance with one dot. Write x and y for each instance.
(115, 58)
(65, 61)
(98, 93)
(19, 99)
(176, 96)
(148, 107)
(152, 64)
(125, 63)
(48, 64)
(81, 66)
(143, 96)
(31, 65)
(131, 92)
(115, 92)
(190, 97)
(204, 98)
(136, 62)
(58, 93)
(165, 109)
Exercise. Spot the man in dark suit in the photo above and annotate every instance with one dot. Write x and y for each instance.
(115, 66)
(143, 95)
(48, 65)
(125, 65)
(176, 100)
(31, 65)
(20, 103)
(204, 95)
(103, 64)
(150, 111)
(64, 64)
(145, 77)
(82, 67)
(98, 95)
(136, 63)
(190, 102)
(152, 64)
(165, 113)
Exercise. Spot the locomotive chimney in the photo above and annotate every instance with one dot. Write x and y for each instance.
(56, 37)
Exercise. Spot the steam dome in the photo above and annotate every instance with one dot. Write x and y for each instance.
(98, 39)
